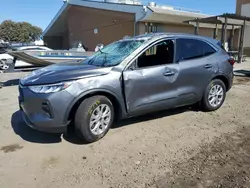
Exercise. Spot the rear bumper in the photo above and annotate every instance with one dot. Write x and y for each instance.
(231, 80)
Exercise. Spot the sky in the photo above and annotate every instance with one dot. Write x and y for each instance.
(41, 12)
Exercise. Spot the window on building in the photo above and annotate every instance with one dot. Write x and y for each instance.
(150, 28)
(192, 48)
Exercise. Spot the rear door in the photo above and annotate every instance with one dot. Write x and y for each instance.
(197, 65)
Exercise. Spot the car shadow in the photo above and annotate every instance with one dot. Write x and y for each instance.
(31, 135)
(72, 137)
(153, 116)
(12, 82)
(242, 73)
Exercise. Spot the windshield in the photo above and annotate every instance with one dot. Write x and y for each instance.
(114, 53)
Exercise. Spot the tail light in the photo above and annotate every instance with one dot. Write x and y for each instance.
(231, 61)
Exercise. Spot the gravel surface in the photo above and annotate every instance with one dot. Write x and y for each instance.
(177, 148)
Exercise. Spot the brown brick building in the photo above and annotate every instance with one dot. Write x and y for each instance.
(92, 22)
(102, 22)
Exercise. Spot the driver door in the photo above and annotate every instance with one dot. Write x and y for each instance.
(150, 81)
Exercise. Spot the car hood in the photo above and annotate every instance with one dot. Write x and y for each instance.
(62, 72)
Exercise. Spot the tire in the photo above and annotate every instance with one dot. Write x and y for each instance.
(206, 104)
(83, 118)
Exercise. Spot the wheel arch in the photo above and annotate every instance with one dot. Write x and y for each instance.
(224, 79)
(117, 103)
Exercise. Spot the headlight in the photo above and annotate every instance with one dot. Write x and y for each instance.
(51, 88)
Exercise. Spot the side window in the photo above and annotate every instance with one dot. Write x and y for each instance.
(207, 49)
(159, 54)
(191, 49)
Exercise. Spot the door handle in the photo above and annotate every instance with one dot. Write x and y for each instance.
(208, 66)
(168, 73)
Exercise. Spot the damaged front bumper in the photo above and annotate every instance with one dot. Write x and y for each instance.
(45, 112)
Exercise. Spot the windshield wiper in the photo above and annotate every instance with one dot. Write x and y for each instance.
(91, 61)
(102, 52)
(105, 57)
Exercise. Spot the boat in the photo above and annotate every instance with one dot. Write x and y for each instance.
(39, 56)
(19, 63)
(48, 57)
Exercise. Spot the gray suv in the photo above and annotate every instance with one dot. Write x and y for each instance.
(129, 77)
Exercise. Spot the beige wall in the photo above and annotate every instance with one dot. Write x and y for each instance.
(238, 5)
(243, 9)
(175, 28)
(111, 25)
(179, 28)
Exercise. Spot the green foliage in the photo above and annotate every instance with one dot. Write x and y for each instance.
(19, 31)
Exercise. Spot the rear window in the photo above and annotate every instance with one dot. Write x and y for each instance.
(192, 49)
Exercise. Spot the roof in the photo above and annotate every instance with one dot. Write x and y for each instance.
(142, 13)
(169, 15)
(172, 11)
(231, 19)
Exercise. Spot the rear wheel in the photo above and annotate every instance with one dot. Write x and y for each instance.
(94, 118)
(214, 95)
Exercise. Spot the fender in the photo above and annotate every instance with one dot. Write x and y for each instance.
(119, 99)
(221, 74)
(228, 79)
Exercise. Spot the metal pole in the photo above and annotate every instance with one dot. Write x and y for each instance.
(216, 31)
(222, 34)
(225, 32)
(242, 33)
(232, 38)
(197, 27)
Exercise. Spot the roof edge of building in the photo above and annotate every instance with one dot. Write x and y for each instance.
(141, 12)
(58, 14)
(129, 8)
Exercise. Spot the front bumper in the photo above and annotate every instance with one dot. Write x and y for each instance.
(48, 129)
(45, 112)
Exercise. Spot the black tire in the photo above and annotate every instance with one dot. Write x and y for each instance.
(83, 115)
(206, 106)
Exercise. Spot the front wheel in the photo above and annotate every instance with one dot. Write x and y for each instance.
(214, 95)
(94, 118)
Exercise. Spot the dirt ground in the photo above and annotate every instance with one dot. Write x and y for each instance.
(176, 148)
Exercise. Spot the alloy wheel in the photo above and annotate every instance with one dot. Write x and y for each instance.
(215, 96)
(100, 119)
